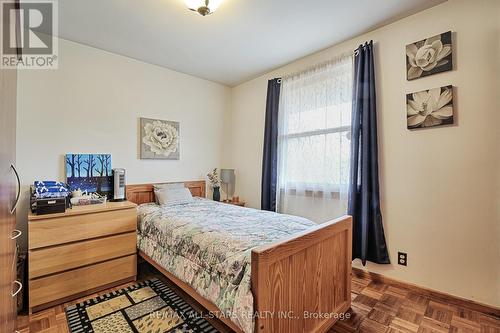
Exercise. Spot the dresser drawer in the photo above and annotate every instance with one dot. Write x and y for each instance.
(60, 230)
(68, 256)
(58, 286)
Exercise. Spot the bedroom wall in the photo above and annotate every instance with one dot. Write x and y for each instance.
(441, 186)
(92, 104)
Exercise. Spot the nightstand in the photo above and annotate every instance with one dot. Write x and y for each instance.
(79, 252)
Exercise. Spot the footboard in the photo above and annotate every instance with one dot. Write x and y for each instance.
(303, 284)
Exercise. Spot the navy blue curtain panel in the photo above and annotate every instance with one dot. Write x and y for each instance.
(368, 241)
(270, 157)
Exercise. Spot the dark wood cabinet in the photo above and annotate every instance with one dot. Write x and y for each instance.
(9, 194)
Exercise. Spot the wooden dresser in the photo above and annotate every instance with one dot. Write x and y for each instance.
(79, 252)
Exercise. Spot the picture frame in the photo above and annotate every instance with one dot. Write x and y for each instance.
(159, 139)
(91, 173)
(430, 108)
(429, 56)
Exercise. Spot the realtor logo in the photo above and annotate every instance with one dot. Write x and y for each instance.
(28, 34)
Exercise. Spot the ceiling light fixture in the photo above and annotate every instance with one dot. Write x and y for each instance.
(204, 7)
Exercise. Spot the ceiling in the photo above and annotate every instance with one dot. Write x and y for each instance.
(241, 40)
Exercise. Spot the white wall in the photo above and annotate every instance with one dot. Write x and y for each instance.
(92, 104)
(440, 186)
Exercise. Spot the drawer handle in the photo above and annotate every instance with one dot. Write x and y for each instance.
(19, 288)
(14, 261)
(15, 234)
(13, 209)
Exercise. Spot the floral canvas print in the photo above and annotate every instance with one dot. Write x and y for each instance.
(430, 56)
(428, 108)
(159, 139)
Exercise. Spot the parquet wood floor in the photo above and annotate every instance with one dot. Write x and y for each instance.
(376, 308)
(384, 308)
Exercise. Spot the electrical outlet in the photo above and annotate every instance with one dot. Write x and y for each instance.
(403, 258)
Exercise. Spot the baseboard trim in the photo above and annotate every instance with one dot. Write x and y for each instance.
(441, 296)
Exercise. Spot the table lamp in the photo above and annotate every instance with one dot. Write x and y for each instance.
(228, 178)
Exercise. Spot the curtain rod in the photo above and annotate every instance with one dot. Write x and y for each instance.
(316, 66)
(362, 46)
(325, 63)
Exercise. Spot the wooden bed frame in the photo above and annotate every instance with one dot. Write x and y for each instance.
(299, 284)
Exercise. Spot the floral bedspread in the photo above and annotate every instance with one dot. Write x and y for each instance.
(208, 245)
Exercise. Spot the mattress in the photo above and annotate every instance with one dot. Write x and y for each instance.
(208, 245)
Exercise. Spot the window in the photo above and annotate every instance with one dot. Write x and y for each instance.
(314, 134)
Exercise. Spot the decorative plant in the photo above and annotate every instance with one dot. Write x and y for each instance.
(214, 178)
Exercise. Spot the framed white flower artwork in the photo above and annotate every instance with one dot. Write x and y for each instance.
(159, 139)
(429, 108)
(429, 56)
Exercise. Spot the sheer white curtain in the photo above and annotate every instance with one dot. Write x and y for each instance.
(314, 141)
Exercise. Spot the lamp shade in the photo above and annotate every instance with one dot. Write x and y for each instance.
(227, 176)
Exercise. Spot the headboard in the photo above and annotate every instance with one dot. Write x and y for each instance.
(144, 193)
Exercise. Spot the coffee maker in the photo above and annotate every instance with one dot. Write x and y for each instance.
(118, 185)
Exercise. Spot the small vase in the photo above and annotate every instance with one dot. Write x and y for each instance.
(216, 193)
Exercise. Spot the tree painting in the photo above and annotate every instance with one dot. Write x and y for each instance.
(70, 164)
(90, 165)
(89, 172)
(78, 165)
(107, 163)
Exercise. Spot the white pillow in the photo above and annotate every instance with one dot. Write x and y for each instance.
(175, 196)
(157, 187)
(168, 185)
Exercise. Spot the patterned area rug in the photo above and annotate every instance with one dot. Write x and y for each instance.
(147, 307)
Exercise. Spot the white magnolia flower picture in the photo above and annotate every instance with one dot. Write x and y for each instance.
(428, 108)
(429, 56)
(159, 139)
